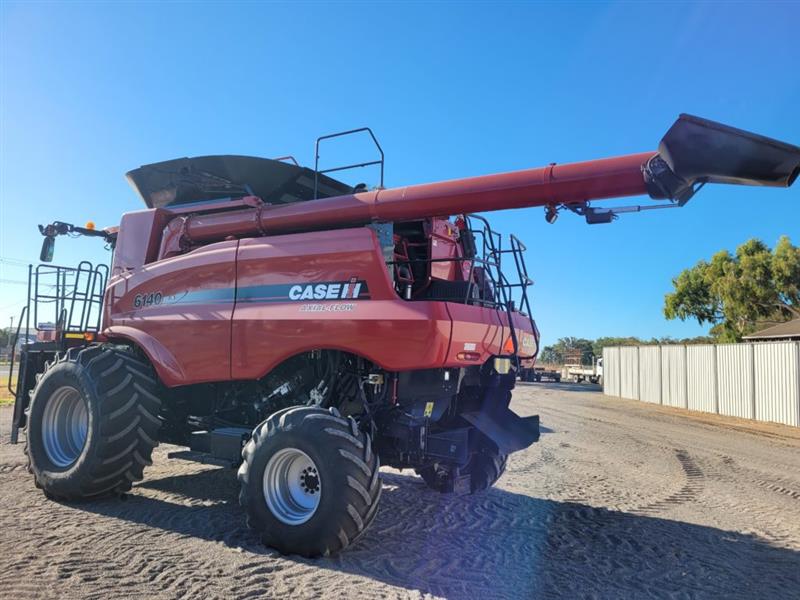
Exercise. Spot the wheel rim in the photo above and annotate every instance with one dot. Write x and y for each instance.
(292, 486)
(65, 425)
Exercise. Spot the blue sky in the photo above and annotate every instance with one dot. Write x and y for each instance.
(91, 90)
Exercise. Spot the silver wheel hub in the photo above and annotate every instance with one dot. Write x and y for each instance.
(65, 425)
(292, 486)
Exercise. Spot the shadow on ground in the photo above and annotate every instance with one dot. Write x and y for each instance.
(562, 386)
(498, 543)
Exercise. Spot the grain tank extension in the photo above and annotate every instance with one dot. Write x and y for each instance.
(267, 317)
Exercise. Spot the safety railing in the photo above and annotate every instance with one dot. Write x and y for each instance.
(15, 340)
(318, 172)
(492, 288)
(73, 294)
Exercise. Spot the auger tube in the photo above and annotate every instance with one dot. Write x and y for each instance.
(694, 151)
(554, 184)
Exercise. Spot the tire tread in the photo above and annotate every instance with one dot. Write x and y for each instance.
(126, 389)
(340, 437)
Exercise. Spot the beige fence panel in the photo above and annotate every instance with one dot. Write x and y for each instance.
(673, 376)
(611, 373)
(701, 378)
(629, 372)
(752, 381)
(777, 382)
(650, 374)
(735, 380)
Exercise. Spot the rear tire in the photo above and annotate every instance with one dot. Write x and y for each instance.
(484, 469)
(92, 423)
(310, 482)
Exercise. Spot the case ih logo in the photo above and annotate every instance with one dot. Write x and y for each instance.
(355, 289)
(333, 290)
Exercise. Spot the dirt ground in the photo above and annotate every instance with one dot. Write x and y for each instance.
(619, 499)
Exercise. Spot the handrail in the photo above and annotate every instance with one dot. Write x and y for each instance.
(81, 298)
(489, 257)
(317, 172)
(13, 391)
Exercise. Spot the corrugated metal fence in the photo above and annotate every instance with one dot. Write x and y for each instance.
(754, 381)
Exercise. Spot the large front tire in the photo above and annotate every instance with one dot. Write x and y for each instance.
(92, 423)
(310, 482)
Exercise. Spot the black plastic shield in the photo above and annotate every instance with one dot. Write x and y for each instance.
(185, 180)
(699, 150)
(505, 427)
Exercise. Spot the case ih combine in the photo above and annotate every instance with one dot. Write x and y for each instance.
(267, 316)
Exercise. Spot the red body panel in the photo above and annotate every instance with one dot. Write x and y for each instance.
(475, 329)
(183, 317)
(395, 334)
(139, 238)
(245, 296)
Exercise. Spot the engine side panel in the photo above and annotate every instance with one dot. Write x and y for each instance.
(236, 309)
(328, 289)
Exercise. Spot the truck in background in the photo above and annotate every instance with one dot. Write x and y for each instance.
(539, 373)
(578, 373)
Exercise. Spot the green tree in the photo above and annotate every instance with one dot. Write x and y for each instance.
(740, 293)
(600, 343)
(558, 352)
(549, 356)
(555, 354)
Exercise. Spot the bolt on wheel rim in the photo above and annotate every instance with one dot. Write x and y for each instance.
(292, 486)
(65, 425)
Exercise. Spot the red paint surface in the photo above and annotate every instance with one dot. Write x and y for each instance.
(569, 183)
(397, 335)
(187, 343)
(444, 247)
(216, 341)
(139, 238)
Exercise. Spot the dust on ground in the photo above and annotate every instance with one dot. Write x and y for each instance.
(619, 499)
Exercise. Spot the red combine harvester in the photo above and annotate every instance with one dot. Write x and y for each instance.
(267, 316)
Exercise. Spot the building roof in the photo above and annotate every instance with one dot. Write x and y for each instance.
(788, 330)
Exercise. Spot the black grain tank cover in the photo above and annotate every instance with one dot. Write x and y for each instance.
(185, 180)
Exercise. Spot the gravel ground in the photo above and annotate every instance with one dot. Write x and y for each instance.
(619, 499)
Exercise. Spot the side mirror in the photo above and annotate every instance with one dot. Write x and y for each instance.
(48, 245)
